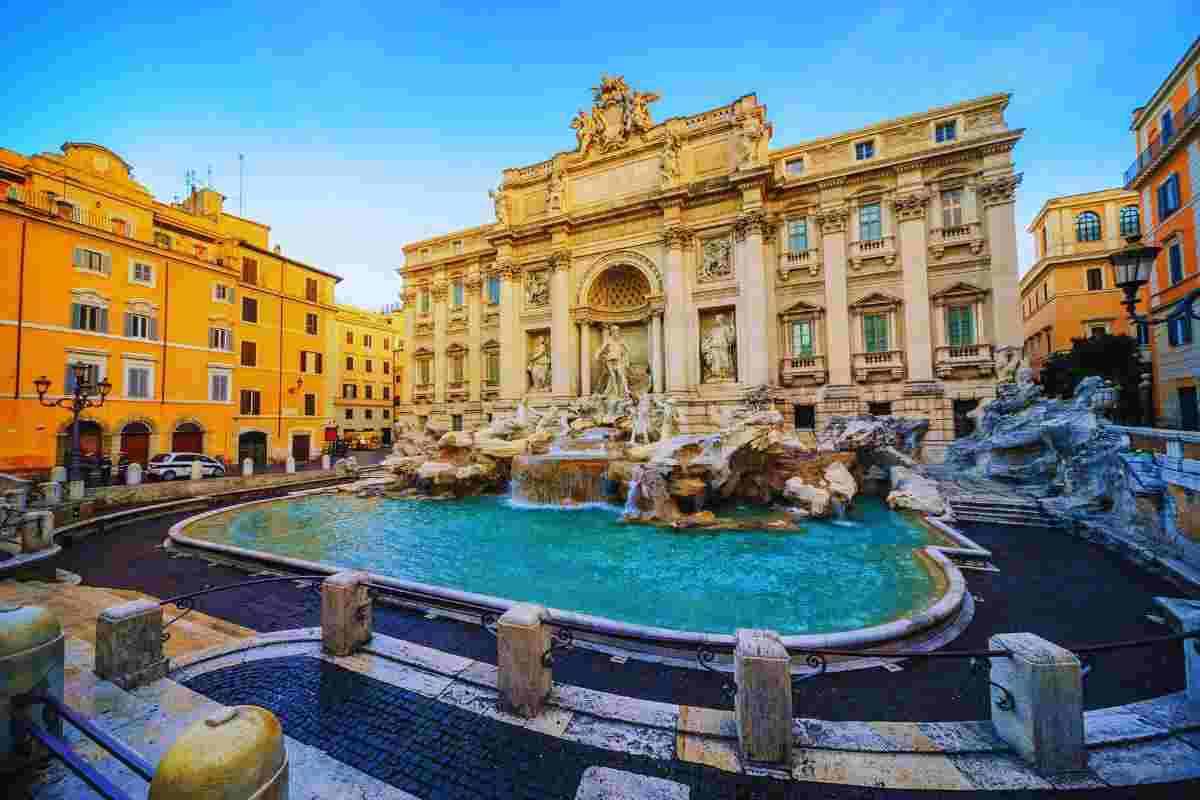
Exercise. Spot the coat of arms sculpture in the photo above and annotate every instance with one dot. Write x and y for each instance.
(618, 112)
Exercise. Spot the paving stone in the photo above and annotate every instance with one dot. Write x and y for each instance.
(621, 736)
(1171, 711)
(963, 737)
(717, 753)
(1116, 725)
(425, 683)
(707, 721)
(1076, 780)
(616, 707)
(995, 771)
(603, 783)
(1155, 761)
(418, 655)
(881, 770)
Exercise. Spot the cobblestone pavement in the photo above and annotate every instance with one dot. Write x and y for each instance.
(1049, 583)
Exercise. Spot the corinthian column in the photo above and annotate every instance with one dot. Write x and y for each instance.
(512, 350)
(837, 312)
(754, 352)
(474, 367)
(910, 213)
(998, 195)
(656, 351)
(438, 294)
(675, 319)
(585, 358)
(560, 326)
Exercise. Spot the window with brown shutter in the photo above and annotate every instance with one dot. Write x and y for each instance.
(310, 324)
(249, 354)
(319, 361)
(249, 270)
(310, 289)
(310, 405)
(249, 309)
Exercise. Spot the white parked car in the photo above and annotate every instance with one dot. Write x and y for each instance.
(169, 466)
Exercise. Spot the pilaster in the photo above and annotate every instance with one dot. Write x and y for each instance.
(560, 326)
(585, 358)
(910, 216)
(472, 286)
(437, 293)
(754, 352)
(512, 371)
(833, 223)
(675, 316)
(998, 196)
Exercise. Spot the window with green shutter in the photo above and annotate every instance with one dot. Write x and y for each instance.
(960, 325)
(875, 332)
(802, 338)
(797, 231)
(87, 317)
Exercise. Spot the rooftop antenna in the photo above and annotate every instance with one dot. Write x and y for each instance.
(189, 180)
(209, 180)
(241, 184)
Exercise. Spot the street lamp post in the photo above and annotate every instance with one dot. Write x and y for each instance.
(1131, 271)
(82, 399)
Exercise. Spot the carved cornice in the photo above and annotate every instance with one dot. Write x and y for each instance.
(752, 222)
(999, 191)
(509, 270)
(678, 237)
(473, 280)
(560, 259)
(438, 291)
(911, 206)
(833, 220)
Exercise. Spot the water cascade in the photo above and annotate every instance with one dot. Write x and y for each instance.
(557, 480)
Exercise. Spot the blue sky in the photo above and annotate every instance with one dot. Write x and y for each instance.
(366, 126)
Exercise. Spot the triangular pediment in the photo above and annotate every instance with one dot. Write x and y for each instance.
(958, 290)
(801, 307)
(876, 299)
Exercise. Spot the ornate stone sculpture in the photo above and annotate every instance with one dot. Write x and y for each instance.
(498, 200)
(668, 164)
(618, 113)
(715, 261)
(639, 120)
(666, 408)
(584, 126)
(749, 136)
(911, 206)
(539, 365)
(537, 289)
(718, 351)
(1008, 361)
(641, 420)
(613, 355)
(998, 191)
(554, 191)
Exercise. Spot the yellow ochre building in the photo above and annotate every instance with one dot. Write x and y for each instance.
(213, 340)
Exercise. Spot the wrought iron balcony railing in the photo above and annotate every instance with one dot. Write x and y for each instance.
(1180, 124)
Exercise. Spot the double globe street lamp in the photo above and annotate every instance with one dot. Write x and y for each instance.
(82, 399)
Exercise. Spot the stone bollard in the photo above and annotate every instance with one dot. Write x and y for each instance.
(289, 466)
(129, 645)
(197, 472)
(53, 492)
(59, 475)
(247, 467)
(763, 707)
(326, 462)
(37, 531)
(1184, 617)
(32, 655)
(1045, 722)
(522, 640)
(346, 612)
(133, 474)
(75, 490)
(235, 753)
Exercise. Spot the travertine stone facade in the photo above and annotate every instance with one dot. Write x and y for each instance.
(869, 271)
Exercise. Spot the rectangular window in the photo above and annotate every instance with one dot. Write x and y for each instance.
(85, 317)
(945, 132)
(93, 261)
(870, 223)
(952, 216)
(493, 367)
(368, 365)
(249, 270)
(1095, 279)
(457, 247)
(1168, 197)
(218, 387)
(387, 414)
(251, 404)
(426, 368)
(960, 325)
(369, 392)
(92, 375)
(456, 369)
(456, 422)
(367, 341)
(310, 289)
(1175, 260)
(1097, 330)
(1143, 335)
(879, 409)
(875, 332)
(804, 417)
(349, 391)
(220, 339)
(864, 150)
(368, 413)
(310, 324)
(222, 293)
(423, 302)
(387, 368)
(797, 233)
(1167, 126)
(141, 326)
(387, 393)
(802, 338)
(200, 250)
(310, 405)
(138, 382)
(349, 337)
(249, 309)
(457, 294)
(387, 343)
(794, 167)
(141, 273)
(1179, 331)
(349, 413)
(493, 289)
(249, 354)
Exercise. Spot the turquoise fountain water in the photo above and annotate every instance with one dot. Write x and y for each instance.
(826, 577)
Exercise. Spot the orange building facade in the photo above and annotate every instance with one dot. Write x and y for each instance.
(1069, 293)
(213, 341)
(1166, 176)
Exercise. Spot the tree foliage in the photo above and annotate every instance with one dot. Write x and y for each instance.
(1115, 358)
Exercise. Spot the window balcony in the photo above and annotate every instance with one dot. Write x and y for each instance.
(963, 360)
(800, 259)
(1159, 147)
(884, 247)
(887, 365)
(969, 234)
(803, 370)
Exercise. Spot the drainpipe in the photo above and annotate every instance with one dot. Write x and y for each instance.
(282, 284)
(165, 316)
(20, 308)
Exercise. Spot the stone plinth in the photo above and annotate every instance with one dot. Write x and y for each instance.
(1184, 617)
(247, 467)
(521, 641)
(129, 645)
(290, 465)
(75, 490)
(763, 707)
(37, 531)
(346, 612)
(133, 474)
(197, 471)
(326, 462)
(1045, 724)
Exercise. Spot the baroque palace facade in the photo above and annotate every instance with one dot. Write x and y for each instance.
(213, 340)
(873, 271)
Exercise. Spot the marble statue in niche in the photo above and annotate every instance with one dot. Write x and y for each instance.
(538, 366)
(554, 192)
(613, 355)
(668, 164)
(718, 348)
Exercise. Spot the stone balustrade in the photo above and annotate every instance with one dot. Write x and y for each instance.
(969, 233)
(886, 365)
(800, 370)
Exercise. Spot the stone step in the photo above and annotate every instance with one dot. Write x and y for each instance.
(1020, 520)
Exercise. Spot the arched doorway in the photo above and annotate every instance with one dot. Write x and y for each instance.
(135, 442)
(91, 442)
(188, 438)
(253, 445)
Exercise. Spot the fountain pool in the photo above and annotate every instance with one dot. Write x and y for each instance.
(861, 572)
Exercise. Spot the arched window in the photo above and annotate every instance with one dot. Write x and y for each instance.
(1131, 223)
(1087, 227)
